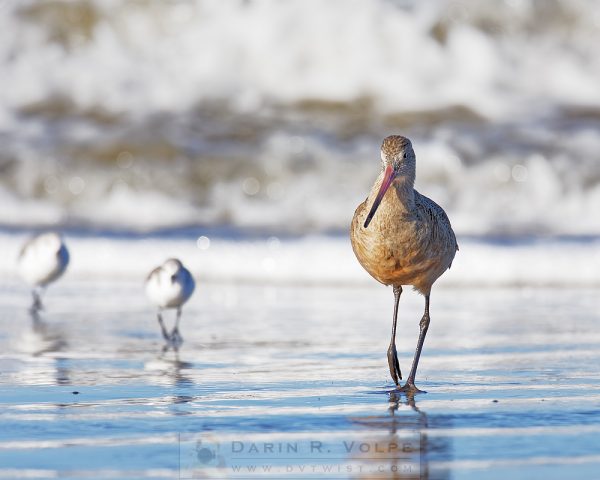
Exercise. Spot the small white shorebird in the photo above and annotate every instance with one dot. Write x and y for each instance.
(42, 260)
(409, 242)
(170, 286)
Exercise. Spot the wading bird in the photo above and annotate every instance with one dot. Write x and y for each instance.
(401, 237)
(170, 286)
(42, 260)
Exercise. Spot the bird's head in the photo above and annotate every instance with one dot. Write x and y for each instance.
(397, 153)
(51, 242)
(172, 267)
(397, 163)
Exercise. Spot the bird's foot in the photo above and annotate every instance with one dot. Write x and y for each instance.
(392, 356)
(37, 304)
(409, 388)
(176, 339)
(36, 309)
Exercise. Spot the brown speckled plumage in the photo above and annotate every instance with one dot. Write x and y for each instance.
(394, 145)
(402, 238)
(410, 240)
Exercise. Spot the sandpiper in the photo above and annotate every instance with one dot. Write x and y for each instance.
(170, 286)
(43, 259)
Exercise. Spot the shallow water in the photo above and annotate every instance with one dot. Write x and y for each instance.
(300, 374)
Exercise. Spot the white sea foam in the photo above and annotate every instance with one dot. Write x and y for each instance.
(405, 55)
(317, 260)
(510, 192)
(125, 74)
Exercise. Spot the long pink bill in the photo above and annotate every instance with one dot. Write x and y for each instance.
(388, 178)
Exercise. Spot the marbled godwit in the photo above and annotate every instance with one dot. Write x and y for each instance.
(42, 260)
(170, 286)
(409, 242)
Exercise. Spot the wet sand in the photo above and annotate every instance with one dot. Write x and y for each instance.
(292, 381)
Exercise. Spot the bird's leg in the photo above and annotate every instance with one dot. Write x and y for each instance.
(176, 338)
(392, 355)
(36, 306)
(162, 326)
(36, 319)
(424, 326)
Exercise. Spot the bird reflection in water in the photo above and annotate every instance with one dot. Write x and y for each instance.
(400, 453)
(43, 337)
(42, 341)
(173, 368)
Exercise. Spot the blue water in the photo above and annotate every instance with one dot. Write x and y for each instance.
(510, 392)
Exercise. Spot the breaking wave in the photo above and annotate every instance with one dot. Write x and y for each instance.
(266, 114)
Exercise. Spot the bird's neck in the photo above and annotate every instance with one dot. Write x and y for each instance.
(404, 191)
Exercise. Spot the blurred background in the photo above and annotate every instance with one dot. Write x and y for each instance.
(253, 128)
(240, 136)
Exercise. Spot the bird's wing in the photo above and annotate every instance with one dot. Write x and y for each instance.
(26, 247)
(439, 219)
(153, 272)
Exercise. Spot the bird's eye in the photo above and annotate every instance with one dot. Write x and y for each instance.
(405, 155)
